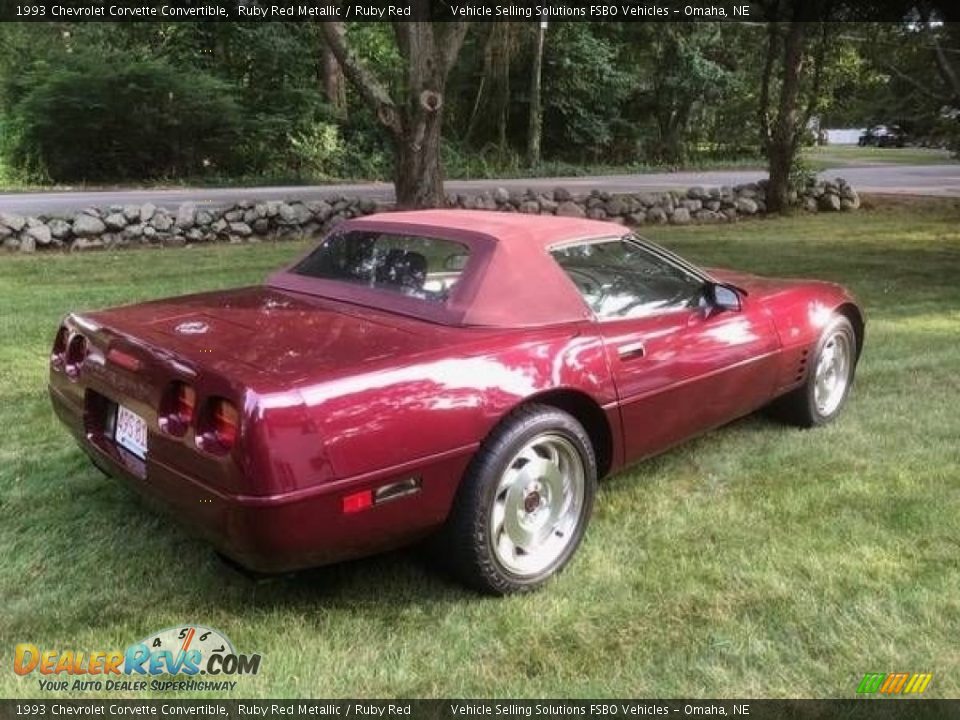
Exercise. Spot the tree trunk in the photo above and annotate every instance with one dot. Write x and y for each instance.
(787, 130)
(429, 51)
(418, 174)
(334, 84)
(535, 121)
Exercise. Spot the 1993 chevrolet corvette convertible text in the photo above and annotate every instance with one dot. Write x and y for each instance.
(461, 375)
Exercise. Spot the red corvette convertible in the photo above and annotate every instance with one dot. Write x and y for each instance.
(459, 374)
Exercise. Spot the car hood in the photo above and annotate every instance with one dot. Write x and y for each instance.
(276, 333)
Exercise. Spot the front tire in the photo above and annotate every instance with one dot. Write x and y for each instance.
(824, 393)
(524, 503)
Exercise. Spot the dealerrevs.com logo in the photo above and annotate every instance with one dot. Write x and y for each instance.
(187, 657)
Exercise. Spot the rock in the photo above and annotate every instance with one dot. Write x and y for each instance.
(850, 200)
(38, 234)
(245, 204)
(5, 232)
(746, 191)
(321, 209)
(615, 207)
(261, 226)
(707, 216)
(131, 213)
(286, 213)
(569, 208)
(149, 232)
(637, 218)
(14, 222)
(87, 243)
(146, 212)
(730, 213)
(85, 225)
(746, 206)
(260, 209)
(240, 228)
(647, 199)
(219, 226)
(829, 201)
(656, 214)
(712, 205)
(810, 204)
(562, 195)
(186, 215)
(59, 228)
(597, 213)
(692, 205)
(501, 195)
(301, 214)
(174, 241)
(204, 218)
(250, 215)
(27, 243)
(681, 216)
(236, 215)
(161, 221)
(113, 240)
(273, 208)
(548, 206)
(115, 221)
(697, 193)
(133, 231)
(194, 235)
(92, 212)
(530, 207)
(11, 243)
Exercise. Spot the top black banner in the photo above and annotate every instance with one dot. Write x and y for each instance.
(435, 10)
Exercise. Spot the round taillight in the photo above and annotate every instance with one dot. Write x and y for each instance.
(58, 354)
(76, 353)
(179, 406)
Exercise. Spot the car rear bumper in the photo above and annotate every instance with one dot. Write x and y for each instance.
(287, 531)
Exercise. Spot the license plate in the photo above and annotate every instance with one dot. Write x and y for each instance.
(131, 432)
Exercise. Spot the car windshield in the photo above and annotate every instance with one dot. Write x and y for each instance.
(623, 277)
(420, 267)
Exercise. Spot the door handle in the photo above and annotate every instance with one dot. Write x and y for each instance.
(630, 351)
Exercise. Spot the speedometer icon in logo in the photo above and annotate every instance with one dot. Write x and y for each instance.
(190, 637)
(190, 650)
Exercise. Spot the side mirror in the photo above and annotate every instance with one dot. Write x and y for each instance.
(721, 297)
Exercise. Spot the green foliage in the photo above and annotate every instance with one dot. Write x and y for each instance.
(106, 118)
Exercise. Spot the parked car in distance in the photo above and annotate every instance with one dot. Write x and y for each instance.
(460, 375)
(883, 136)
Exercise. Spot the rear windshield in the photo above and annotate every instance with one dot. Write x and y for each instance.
(420, 267)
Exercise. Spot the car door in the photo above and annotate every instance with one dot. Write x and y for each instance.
(680, 363)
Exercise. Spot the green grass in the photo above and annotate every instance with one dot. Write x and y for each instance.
(758, 560)
(838, 156)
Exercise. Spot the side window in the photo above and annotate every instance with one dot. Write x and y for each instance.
(420, 267)
(620, 278)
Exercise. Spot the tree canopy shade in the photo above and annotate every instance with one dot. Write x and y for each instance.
(266, 102)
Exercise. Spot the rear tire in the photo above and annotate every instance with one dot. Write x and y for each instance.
(829, 378)
(524, 503)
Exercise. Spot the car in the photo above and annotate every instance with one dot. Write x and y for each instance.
(883, 136)
(456, 376)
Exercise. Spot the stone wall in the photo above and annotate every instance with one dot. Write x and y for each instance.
(148, 225)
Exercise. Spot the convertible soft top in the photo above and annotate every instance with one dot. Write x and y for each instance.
(510, 279)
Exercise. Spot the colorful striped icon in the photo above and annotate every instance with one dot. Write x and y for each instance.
(894, 683)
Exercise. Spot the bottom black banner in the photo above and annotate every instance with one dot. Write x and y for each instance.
(882, 709)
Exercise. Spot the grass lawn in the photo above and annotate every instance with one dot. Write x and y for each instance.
(758, 560)
(838, 156)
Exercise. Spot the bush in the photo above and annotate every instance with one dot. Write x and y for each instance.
(107, 118)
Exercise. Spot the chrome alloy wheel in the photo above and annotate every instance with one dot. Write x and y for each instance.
(537, 505)
(832, 374)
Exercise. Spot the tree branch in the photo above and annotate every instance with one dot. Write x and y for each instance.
(372, 90)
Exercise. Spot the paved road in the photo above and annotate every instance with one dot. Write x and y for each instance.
(939, 180)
